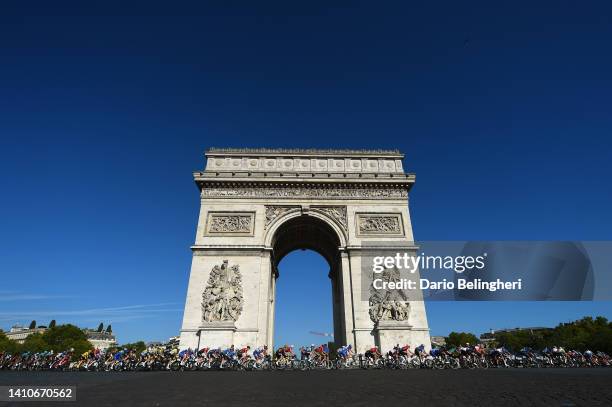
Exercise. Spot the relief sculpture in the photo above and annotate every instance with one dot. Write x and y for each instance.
(230, 224)
(222, 298)
(273, 212)
(386, 304)
(380, 224)
(336, 212)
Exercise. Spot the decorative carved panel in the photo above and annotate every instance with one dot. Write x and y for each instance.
(230, 223)
(380, 224)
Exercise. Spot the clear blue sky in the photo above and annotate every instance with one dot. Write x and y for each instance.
(504, 112)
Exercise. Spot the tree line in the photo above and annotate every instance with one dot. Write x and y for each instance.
(52, 324)
(58, 338)
(590, 333)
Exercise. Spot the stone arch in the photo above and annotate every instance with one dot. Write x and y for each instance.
(298, 212)
(315, 231)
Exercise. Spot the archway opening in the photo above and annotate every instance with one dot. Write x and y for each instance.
(303, 279)
(303, 305)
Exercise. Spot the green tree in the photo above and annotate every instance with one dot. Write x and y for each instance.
(66, 337)
(586, 333)
(461, 338)
(100, 327)
(34, 343)
(136, 346)
(32, 324)
(517, 340)
(7, 345)
(52, 324)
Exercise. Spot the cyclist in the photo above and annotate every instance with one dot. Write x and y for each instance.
(345, 352)
(321, 352)
(373, 353)
(119, 355)
(305, 352)
(185, 353)
(243, 353)
(260, 353)
(284, 351)
(230, 352)
(464, 350)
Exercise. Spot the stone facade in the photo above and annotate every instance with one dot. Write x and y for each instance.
(100, 340)
(257, 205)
(19, 334)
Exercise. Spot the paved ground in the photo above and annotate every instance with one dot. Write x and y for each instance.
(512, 387)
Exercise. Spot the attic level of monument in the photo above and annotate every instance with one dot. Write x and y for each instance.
(298, 163)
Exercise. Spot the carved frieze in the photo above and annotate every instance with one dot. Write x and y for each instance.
(222, 298)
(298, 192)
(380, 224)
(230, 223)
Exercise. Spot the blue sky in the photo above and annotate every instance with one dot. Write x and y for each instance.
(503, 112)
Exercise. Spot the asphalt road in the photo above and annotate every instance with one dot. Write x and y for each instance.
(508, 387)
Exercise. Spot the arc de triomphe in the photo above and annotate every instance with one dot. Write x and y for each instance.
(257, 205)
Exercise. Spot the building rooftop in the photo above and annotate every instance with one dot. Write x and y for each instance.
(99, 335)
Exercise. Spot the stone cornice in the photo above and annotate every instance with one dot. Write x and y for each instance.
(303, 178)
(405, 184)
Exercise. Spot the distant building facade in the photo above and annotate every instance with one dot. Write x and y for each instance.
(438, 340)
(101, 340)
(18, 333)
